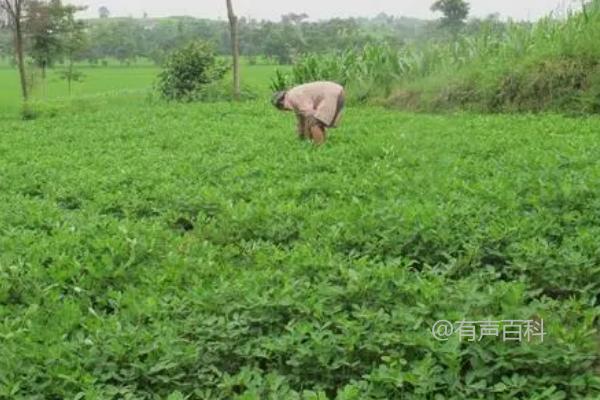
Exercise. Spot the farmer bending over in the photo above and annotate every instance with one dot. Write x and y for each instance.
(317, 105)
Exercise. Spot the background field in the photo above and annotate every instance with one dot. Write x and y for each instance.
(135, 82)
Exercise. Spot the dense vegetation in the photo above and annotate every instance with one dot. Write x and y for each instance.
(202, 251)
(127, 39)
(552, 65)
(188, 71)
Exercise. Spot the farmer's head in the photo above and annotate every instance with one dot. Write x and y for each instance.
(278, 99)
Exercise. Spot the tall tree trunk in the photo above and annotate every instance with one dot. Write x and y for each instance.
(19, 51)
(70, 77)
(235, 49)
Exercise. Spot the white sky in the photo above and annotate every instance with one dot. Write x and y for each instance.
(318, 9)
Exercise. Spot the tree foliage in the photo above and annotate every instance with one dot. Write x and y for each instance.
(127, 39)
(50, 27)
(455, 12)
(12, 16)
(103, 12)
(74, 41)
(188, 70)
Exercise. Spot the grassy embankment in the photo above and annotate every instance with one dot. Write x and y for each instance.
(550, 66)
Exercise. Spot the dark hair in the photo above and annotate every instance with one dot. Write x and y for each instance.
(278, 99)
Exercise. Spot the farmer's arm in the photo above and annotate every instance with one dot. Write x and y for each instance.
(301, 104)
(306, 110)
(301, 125)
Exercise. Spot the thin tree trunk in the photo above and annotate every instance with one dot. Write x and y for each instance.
(44, 68)
(19, 52)
(70, 78)
(235, 49)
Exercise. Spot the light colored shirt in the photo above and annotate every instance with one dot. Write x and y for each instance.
(317, 99)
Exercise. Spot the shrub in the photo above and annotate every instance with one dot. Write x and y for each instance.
(188, 70)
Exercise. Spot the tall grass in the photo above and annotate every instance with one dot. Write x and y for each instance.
(370, 71)
(487, 67)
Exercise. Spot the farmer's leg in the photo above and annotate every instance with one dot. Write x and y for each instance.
(301, 127)
(316, 130)
(318, 134)
(341, 102)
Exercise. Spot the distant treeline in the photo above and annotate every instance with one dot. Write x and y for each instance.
(128, 39)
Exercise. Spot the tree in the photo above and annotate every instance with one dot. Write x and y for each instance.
(188, 71)
(235, 49)
(6, 46)
(455, 12)
(42, 28)
(103, 12)
(293, 19)
(72, 40)
(53, 33)
(11, 11)
(275, 44)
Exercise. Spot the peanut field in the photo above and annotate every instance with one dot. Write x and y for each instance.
(202, 251)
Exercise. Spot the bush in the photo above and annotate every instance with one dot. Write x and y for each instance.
(188, 70)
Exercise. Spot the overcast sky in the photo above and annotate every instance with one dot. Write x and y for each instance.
(317, 9)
